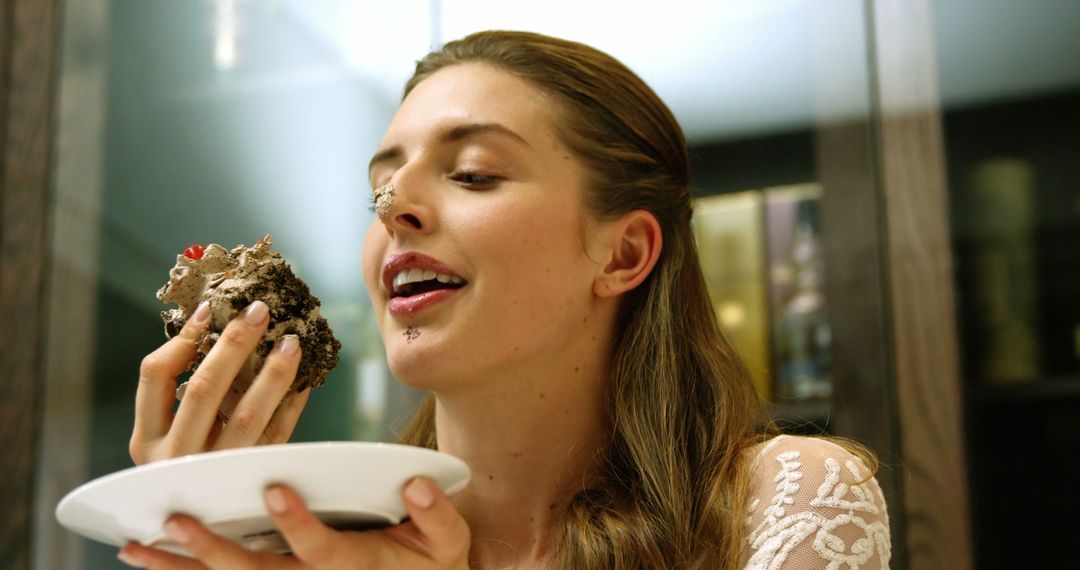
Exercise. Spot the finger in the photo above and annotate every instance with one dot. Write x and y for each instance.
(157, 379)
(199, 409)
(311, 541)
(215, 433)
(217, 552)
(442, 529)
(257, 406)
(138, 556)
(282, 424)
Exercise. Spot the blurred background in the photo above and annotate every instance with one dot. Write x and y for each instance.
(888, 210)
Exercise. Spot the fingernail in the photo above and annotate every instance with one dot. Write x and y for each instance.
(275, 500)
(201, 313)
(256, 313)
(177, 532)
(130, 559)
(290, 345)
(419, 493)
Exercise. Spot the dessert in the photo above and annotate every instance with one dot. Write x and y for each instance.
(232, 280)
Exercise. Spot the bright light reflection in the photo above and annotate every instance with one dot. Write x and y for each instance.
(225, 52)
(225, 32)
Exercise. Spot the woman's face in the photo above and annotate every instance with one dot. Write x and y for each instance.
(488, 198)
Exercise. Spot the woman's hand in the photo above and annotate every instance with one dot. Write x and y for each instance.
(435, 537)
(160, 434)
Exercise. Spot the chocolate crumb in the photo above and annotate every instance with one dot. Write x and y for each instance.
(173, 326)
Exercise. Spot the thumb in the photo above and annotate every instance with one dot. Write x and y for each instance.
(442, 529)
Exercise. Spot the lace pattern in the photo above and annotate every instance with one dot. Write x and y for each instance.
(824, 510)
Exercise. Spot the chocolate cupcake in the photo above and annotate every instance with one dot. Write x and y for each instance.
(232, 280)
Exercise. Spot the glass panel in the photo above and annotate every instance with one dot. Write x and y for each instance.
(215, 121)
(1010, 83)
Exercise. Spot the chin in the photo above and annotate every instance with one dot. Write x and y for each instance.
(437, 360)
(418, 365)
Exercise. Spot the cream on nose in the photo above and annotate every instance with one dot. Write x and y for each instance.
(383, 198)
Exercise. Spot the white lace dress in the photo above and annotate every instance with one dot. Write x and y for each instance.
(814, 505)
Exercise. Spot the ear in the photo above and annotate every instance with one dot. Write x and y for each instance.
(636, 241)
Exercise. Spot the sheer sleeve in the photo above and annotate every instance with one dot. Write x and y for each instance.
(814, 505)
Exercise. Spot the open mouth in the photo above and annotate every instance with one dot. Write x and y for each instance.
(415, 281)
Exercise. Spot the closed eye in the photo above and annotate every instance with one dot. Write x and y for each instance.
(475, 180)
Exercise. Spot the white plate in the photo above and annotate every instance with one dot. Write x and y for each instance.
(347, 485)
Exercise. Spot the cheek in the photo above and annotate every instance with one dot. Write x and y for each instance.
(519, 240)
(540, 258)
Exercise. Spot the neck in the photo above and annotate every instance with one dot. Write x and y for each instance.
(532, 441)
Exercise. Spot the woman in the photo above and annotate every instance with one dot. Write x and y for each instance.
(574, 359)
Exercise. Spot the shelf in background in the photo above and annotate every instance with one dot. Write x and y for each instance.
(1041, 389)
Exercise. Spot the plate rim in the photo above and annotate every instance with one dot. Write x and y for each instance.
(453, 463)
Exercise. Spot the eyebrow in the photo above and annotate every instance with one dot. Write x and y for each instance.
(453, 134)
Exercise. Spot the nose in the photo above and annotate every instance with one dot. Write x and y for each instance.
(407, 208)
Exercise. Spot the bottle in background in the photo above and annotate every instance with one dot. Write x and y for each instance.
(1002, 221)
(803, 334)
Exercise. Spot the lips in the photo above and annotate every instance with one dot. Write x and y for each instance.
(439, 282)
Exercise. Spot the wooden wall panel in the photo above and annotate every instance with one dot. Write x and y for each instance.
(70, 342)
(864, 402)
(920, 277)
(27, 48)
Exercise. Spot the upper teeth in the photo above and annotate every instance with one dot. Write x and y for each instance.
(416, 275)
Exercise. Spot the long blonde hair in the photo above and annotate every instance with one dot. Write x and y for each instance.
(681, 405)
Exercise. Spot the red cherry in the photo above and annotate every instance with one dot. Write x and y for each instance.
(194, 251)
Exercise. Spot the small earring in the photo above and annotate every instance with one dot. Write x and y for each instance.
(383, 200)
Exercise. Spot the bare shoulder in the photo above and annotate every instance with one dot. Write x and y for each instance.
(814, 499)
